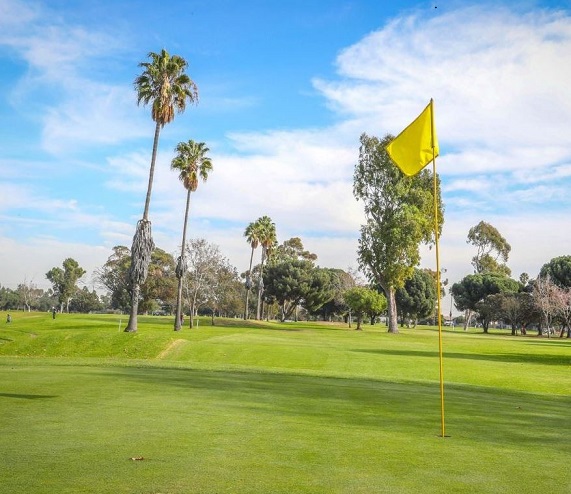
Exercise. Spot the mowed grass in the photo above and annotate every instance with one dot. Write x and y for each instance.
(277, 408)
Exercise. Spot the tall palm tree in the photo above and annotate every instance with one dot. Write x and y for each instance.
(163, 84)
(252, 234)
(192, 163)
(267, 240)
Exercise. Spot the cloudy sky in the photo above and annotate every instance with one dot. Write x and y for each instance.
(286, 89)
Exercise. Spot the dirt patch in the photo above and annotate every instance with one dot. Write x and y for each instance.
(171, 347)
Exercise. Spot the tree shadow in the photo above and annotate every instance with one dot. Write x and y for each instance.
(503, 357)
(25, 396)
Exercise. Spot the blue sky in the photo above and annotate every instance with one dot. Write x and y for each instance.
(286, 88)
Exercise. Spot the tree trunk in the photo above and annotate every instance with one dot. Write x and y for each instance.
(392, 311)
(248, 286)
(177, 324)
(132, 325)
(261, 285)
(152, 171)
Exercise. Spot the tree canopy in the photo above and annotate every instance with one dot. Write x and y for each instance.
(64, 281)
(416, 299)
(362, 300)
(559, 270)
(472, 291)
(492, 249)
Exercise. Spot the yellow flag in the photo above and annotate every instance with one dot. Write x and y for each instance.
(416, 145)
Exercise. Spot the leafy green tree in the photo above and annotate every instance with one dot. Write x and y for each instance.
(192, 163)
(226, 294)
(85, 301)
(492, 249)
(293, 249)
(362, 300)
(341, 281)
(9, 299)
(296, 282)
(489, 309)
(64, 281)
(559, 271)
(163, 84)
(416, 299)
(114, 277)
(159, 289)
(400, 216)
(472, 290)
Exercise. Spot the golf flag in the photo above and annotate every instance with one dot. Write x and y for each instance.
(417, 145)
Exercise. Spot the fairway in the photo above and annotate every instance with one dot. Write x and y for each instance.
(270, 408)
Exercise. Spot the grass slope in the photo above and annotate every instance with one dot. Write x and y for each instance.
(268, 408)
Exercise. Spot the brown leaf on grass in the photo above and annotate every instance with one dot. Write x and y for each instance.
(137, 458)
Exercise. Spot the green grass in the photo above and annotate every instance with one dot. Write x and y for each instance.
(273, 408)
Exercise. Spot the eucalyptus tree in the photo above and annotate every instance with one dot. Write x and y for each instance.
(400, 216)
(252, 234)
(268, 239)
(492, 249)
(192, 164)
(64, 281)
(167, 88)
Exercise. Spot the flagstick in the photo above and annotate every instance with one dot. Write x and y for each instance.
(438, 282)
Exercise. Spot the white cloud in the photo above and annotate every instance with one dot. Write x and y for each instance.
(503, 91)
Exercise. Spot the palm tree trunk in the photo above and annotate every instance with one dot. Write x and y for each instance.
(180, 272)
(261, 285)
(249, 285)
(152, 171)
(132, 326)
(135, 287)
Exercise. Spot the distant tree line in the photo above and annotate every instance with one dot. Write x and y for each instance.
(491, 296)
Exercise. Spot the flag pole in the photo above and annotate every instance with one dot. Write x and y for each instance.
(438, 281)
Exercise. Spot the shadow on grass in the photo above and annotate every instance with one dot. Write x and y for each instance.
(481, 414)
(504, 357)
(26, 397)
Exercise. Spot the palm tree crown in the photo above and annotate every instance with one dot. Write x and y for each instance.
(252, 234)
(192, 163)
(164, 84)
(267, 235)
